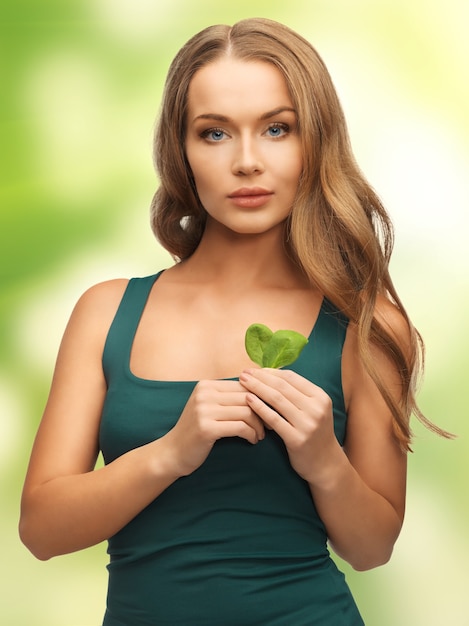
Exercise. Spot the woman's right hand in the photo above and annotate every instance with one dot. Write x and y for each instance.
(215, 409)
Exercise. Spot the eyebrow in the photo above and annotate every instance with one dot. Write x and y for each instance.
(264, 116)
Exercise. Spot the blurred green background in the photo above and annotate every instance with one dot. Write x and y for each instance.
(81, 85)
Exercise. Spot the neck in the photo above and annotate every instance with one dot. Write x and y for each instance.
(232, 259)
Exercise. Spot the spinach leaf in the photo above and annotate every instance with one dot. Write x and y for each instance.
(269, 349)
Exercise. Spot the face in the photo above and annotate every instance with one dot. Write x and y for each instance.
(242, 145)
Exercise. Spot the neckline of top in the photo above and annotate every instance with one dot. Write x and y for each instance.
(193, 382)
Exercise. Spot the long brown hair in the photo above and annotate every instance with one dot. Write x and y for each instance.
(338, 232)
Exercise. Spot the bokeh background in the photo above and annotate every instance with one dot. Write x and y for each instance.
(81, 85)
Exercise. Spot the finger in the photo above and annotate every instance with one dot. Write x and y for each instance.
(223, 386)
(223, 393)
(251, 418)
(232, 414)
(278, 393)
(298, 382)
(237, 399)
(272, 419)
(238, 428)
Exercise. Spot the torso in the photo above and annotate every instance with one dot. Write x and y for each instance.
(245, 516)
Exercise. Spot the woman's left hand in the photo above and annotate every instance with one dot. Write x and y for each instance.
(300, 412)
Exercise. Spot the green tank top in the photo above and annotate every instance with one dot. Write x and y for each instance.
(238, 542)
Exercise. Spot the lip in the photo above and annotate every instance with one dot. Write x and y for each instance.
(250, 191)
(250, 197)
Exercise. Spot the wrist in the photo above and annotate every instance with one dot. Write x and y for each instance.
(331, 472)
(162, 461)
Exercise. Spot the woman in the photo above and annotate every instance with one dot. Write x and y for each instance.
(224, 482)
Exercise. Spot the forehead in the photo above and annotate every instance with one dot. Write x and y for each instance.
(232, 86)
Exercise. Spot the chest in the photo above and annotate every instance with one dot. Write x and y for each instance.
(195, 337)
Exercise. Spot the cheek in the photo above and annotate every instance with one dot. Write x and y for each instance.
(197, 172)
(295, 169)
(202, 181)
(294, 162)
(202, 166)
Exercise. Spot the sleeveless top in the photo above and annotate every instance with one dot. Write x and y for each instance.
(238, 542)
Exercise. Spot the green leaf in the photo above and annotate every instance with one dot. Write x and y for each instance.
(269, 349)
(256, 339)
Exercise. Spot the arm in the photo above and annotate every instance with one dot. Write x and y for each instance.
(359, 491)
(66, 504)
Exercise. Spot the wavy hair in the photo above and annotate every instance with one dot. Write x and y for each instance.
(338, 232)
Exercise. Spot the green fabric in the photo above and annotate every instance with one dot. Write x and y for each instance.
(239, 541)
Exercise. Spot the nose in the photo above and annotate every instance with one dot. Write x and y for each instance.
(247, 159)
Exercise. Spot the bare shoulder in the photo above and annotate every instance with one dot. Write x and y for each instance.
(99, 303)
(104, 296)
(91, 318)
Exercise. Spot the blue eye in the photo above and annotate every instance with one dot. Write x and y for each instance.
(277, 130)
(214, 134)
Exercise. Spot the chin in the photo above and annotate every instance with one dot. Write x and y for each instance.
(252, 231)
(250, 225)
